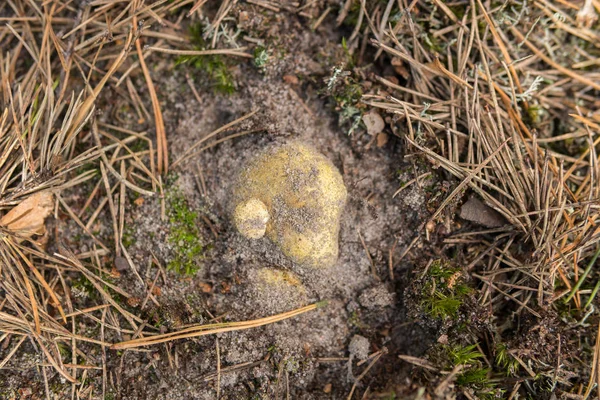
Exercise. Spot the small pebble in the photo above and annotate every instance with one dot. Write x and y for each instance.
(359, 347)
(121, 264)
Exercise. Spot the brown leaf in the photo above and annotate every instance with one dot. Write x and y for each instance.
(400, 68)
(373, 122)
(382, 139)
(476, 211)
(205, 287)
(27, 218)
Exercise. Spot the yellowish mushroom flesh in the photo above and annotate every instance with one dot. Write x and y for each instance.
(304, 195)
(251, 218)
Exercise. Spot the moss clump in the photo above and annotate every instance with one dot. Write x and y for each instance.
(464, 355)
(304, 195)
(184, 235)
(128, 238)
(444, 290)
(505, 361)
(213, 67)
(474, 374)
(82, 287)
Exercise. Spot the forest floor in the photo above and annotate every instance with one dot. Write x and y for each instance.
(465, 133)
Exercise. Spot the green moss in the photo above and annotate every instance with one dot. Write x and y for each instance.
(85, 167)
(87, 290)
(441, 306)
(139, 145)
(128, 238)
(184, 234)
(473, 376)
(464, 355)
(443, 291)
(84, 287)
(352, 17)
(505, 361)
(213, 67)
(64, 350)
(459, 11)
(292, 365)
(355, 320)
(432, 43)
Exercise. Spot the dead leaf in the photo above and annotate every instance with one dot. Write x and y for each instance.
(205, 287)
(478, 212)
(133, 301)
(400, 68)
(382, 139)
(373, 122)
(291, 79)
(27, 218)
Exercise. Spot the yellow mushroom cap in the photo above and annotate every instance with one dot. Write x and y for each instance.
(251, 218)
(304, 194)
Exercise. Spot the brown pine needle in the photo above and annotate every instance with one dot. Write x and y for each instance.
(550, 62)
(211, 329)
(162, 151)
(239, 52)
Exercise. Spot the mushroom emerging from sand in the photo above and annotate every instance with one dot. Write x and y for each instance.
(295, 196)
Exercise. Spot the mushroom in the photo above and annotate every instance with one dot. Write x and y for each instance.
(294, 196)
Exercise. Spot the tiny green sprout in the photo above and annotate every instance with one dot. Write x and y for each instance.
(261, 57)
(292, 365)
(272, 349)
(322, 303)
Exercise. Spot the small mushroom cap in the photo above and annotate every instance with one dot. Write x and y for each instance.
(251, 218)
